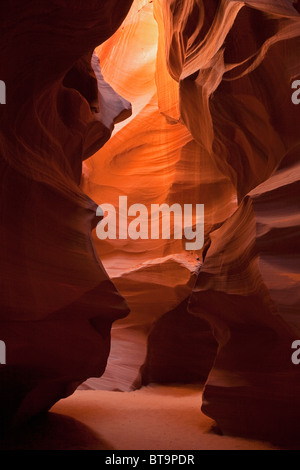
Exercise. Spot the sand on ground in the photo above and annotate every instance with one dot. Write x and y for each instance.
(153, 418)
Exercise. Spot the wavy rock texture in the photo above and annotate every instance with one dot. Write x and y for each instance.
(253, 305)
(57, 301)
(212, 123)
(248, 287)
(152, 158)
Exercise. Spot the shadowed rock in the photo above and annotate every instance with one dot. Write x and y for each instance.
(57, 302)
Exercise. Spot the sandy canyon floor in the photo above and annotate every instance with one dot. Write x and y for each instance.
(153, 418)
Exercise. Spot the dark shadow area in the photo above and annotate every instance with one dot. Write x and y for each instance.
(52, 431)
(181, 349)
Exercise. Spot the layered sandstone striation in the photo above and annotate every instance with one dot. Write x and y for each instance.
(252, 304)
(186, 102)
(213, 123)
(151, 158)
(57, 301)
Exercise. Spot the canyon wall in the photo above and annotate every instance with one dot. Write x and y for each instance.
(182, 102)
(213, 122)
(57, 301)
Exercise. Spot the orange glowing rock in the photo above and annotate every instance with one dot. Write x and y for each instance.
(184, 103)
(212, 120)
(153, 159)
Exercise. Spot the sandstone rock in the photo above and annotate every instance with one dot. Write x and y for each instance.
(57, 301)
(151, 158)
(212, 122)
(252, 304)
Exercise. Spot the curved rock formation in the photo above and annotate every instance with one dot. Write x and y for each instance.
(252, 303)
(151, 158)
(248, 286)
(215, 122)
(57, 302)
(212, 122)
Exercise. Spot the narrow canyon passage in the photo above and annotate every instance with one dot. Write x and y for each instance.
(180, 120)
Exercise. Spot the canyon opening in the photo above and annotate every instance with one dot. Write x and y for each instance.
(150, 225)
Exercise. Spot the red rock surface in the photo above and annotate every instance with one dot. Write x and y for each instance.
(152, 158)
(215, 73)
(252, 304)
(57, 302)
(212, 123)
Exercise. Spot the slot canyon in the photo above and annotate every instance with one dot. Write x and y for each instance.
(165, 102)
